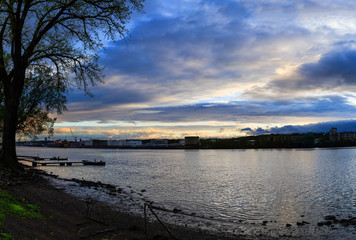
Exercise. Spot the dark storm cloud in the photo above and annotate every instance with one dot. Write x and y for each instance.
(335, 69)
(104, 98)
(322, 127)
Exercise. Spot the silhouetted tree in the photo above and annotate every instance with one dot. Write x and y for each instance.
(62, 36)
(42, 95)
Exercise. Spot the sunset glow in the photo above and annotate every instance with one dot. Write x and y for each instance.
(215, 68)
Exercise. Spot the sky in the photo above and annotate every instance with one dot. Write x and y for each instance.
(223, 68)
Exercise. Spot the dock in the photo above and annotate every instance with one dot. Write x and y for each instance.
(36, 163)
(44, 159)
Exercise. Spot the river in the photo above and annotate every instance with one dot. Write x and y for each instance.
(226, 187)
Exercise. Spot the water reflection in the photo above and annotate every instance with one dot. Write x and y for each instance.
(230, 185)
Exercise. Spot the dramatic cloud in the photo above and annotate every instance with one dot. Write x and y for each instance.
(106, 98)
(203, 49)
(210, 67)
(334, 70)
(185, 53)
(323, 127)
(335, 106)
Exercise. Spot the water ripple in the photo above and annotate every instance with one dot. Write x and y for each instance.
(227, 185)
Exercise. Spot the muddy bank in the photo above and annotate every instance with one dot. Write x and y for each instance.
(70, 217)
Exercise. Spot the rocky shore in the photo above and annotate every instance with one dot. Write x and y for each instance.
(69, 217)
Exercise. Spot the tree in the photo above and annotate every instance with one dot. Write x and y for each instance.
(61, 36)
(42, 95)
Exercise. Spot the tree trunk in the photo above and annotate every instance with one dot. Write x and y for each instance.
(8, 157)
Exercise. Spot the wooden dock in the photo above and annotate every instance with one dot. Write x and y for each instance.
(44, 159)
(36, 163)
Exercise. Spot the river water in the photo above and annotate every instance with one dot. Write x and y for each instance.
(227, 186)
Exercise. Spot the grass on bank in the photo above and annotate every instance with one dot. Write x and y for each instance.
(12, 206)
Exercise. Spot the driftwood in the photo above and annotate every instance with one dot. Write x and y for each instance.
(97, 221)
(159, 220)
(101, 232)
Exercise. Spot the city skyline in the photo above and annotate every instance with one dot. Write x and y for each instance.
(223, 69)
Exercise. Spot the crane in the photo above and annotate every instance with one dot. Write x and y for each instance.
(75, 138)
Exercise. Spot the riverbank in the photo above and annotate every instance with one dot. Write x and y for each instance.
(67, 217)
(289, 193)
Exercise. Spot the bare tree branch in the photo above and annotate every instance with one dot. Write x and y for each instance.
(60, 37)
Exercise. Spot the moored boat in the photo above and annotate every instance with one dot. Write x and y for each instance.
(95, 163)
(59, 158)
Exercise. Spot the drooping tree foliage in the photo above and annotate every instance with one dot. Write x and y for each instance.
(42, 95)
(62, 39)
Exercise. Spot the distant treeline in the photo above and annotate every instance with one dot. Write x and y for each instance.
(297, 140)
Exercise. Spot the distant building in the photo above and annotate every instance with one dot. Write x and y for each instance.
(333, 131)
(333, 135)
(345, 136)
(191, 140)
(122, 143)
(174, 143)
(133, 143)
(74, 144)
(88, 143)
(113, 143)
(158, 143)
(96, 143)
